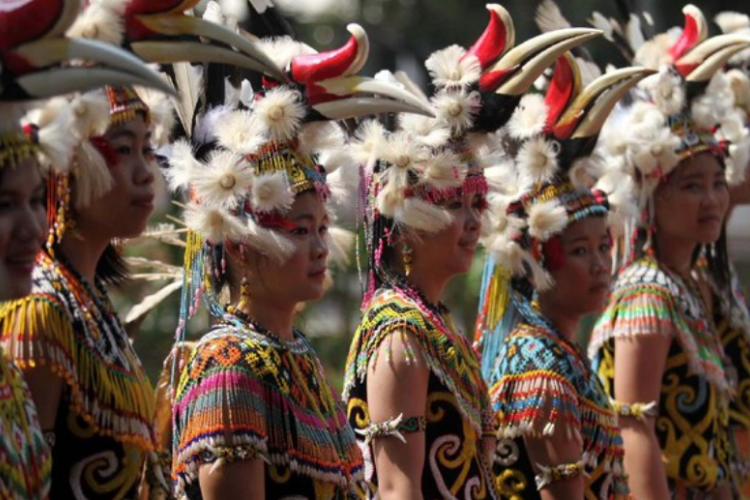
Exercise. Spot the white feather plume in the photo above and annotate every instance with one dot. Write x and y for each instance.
(182, 166)
(206, 125)
(667, 90)
(529, 117)
(241, 132)
(269, 242)
(163, 117)
(215, 224)
(546, 219)
(281, 112)
(444, 170)
(733, 22)
(272, 193)
(319, 136)
(282, 50)
(224, 181)
(340, 244)
(449, 69)
(366, 141)
(422, 216)
(93, 180)
(56, 121)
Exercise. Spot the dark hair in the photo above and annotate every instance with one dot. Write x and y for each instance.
(112, 269)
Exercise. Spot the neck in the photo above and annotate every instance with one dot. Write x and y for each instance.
(565, 323)
(83, 254)
(277, 319)
(432, 287)
(676, 254)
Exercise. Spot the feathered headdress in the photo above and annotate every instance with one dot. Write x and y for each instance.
(429, 159)
(552, 182)
(249, 159)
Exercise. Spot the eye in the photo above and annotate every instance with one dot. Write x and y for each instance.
(455, 205)
(579, 252)
(300, 231)
(481, 204)
(148, 152)
(123, 150)
(323, 230)
(605, 248)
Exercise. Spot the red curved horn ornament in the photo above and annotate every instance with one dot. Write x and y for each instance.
(694, 32)
(498, 37)
(345, 61)
(564, 86)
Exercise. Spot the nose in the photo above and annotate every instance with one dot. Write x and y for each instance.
(320, 246)
(473, 220)
(143, 173)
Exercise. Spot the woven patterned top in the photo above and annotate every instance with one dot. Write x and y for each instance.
(25, 459)
(458, 414)
(279, 408)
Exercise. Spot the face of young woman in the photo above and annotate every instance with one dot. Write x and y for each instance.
(23, 227)
(124, 210)
(692, 204)
(452, 249)
(300, 278)
(582, 278)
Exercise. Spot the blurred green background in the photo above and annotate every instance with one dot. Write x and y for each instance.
(402, 35)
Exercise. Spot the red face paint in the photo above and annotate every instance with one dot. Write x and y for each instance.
(553, 254)
(105, 149)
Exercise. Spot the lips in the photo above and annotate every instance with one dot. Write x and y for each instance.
(599, 287)
(318, 274)
(145, 201)
(23, 261)
(709, 219)
(468, 245)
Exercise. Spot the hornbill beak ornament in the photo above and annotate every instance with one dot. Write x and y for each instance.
(698, 57)
(159, 31)
(577, 114)
(332, 89)
(35, 60)
(508, 71)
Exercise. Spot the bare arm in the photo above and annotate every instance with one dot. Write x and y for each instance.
(557, 450)
(639, 367)
(398, 387)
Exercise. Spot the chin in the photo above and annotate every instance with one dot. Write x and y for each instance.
(707, 237)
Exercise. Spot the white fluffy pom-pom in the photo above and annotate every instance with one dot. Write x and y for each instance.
(429, 131)
(102, 20)
(319, 136)
(271, 193)
(224, 181)
(281, 111)
(214, 224)
(529, 118)
(667, 90)
(444, 170)
(448, 68)
(546, 219)
(457, 109)
(537, 160)
(55, 122)
(91, 111)
(241, 132)
(182, 166)
(656, 153)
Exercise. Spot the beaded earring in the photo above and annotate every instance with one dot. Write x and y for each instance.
(244, 293)
(407, 257)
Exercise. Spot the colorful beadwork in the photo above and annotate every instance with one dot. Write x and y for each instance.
(457, 412)
(395, 427)
(648, 300)
(107, 407)
(638, 411)
(25, 459)
(549, 475)
(280, 408)
(541, 385)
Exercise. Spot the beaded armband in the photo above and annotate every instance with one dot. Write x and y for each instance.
(220, 455)
(395, 427)
(638, 411)
(549, 475)
(49, 438)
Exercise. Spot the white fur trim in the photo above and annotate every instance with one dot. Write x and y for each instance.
(444, 170)
(102, 20)
(457, 109)
(537, 160)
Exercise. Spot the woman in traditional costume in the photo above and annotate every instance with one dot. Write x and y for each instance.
(254, 416)
(414, 389)
(96, 405)
(656, 347)
(43, 147)
(549, 266)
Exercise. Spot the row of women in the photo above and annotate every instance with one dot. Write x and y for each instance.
(590, 191)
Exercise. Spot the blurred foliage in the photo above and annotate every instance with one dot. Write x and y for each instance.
(402, 35)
